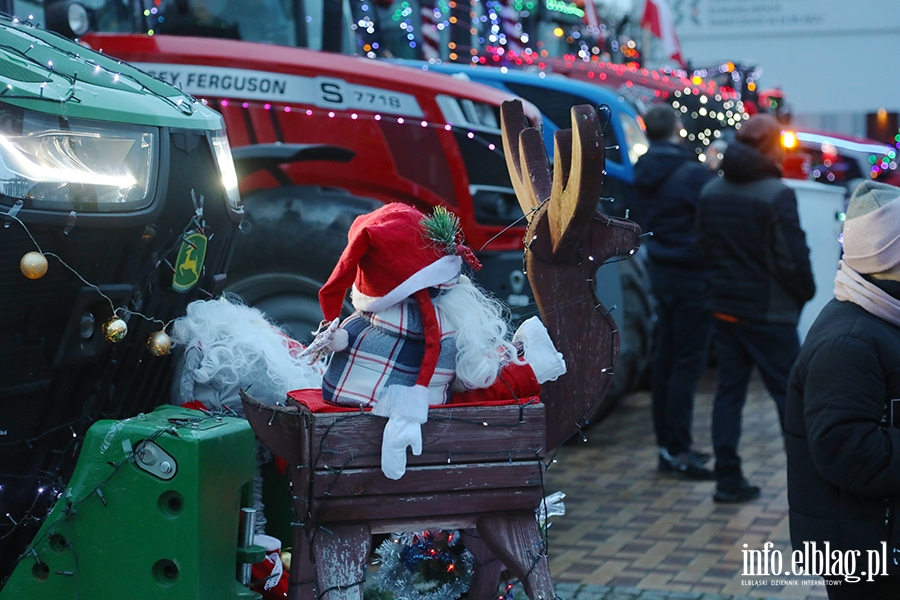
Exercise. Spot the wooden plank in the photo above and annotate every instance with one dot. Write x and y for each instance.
(340, 560)
(301, 474)
(280, 428)
(434, 506)
(446, 523)
(371, 482)
(451, 436)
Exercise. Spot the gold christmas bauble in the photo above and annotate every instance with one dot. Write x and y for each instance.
(286, 560)
(115, 329)
(33, 265)
(159, 343)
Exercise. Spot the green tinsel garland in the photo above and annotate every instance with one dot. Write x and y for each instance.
(428, 565)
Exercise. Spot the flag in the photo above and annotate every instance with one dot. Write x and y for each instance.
(431, 38)
(590, 14)
(658, 20)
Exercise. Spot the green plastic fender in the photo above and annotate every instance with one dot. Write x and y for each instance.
(151, 513)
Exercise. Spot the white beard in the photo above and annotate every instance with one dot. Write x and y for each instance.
(482, 344)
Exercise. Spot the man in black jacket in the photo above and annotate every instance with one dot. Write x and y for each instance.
(668, 180)
(761, 278)
(842, 427)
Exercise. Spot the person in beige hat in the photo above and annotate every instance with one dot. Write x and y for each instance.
(842, 424)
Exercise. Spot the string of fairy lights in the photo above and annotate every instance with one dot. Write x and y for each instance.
(122, 75)
(460, 25)
(37, 52)
(55, 488)
(359, 116)
(34, 265)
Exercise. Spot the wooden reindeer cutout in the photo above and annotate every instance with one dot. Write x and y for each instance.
(480, 470)
(566, 242)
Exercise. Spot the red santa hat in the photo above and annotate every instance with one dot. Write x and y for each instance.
(393, 253)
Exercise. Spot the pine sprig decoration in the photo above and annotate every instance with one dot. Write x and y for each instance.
(442, 228)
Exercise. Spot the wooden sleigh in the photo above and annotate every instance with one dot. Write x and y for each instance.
(481, 467)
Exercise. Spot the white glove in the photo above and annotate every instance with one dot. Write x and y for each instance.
(399, 433)
(406, 409)
(540, 353)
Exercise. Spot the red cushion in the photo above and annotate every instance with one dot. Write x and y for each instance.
(312, 399)
(195, 405)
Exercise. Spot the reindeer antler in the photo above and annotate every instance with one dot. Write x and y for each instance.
(526, 157)
(578, 163)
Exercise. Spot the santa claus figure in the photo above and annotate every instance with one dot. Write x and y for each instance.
(421, 331)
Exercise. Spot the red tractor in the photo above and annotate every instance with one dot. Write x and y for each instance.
(320, 138)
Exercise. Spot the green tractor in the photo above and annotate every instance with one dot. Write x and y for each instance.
(118, 207)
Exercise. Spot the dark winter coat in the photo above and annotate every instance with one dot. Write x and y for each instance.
(668, 179)
(842, 436)
(750, 233)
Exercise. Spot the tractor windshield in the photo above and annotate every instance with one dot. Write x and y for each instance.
(315, 24)
(266, 21)
(113, 16)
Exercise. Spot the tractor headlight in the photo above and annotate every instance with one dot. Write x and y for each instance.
(72, 164)
(225, 162)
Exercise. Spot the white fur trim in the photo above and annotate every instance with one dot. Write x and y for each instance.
(340, 340)
(540, 353)
(441, 270)
(403, 401)
(269, 543)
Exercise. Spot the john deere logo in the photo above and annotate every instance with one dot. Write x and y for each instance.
(190, 262)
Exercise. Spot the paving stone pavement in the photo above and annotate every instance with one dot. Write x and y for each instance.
(602, 592)
(630, 532)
